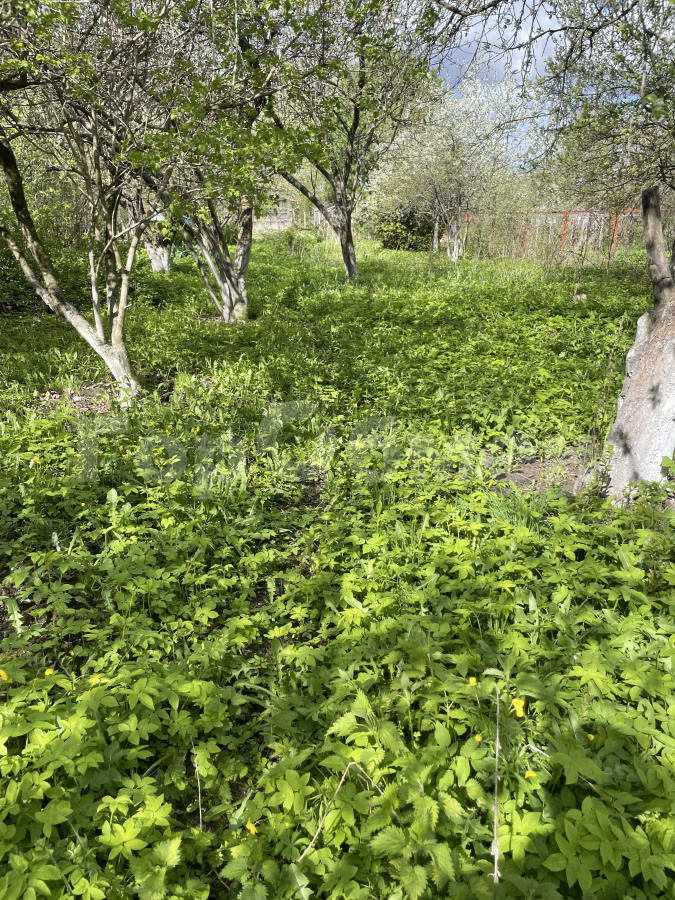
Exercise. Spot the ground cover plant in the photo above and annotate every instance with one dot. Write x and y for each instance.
(269, 645)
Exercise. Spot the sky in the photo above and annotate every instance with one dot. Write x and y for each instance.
(498, 65)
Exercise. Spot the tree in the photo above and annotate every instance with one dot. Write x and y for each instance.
(77, 108)
(459, 159)
(140, 107)
(158, 243)
(371, 74)
(644, 430)
(230, 146)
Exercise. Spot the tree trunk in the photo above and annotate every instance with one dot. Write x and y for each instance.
(242, 255)
(119, 363)
(457, 238)
(159, 251)
(344, 232)
(340, 220)
(644, 430)
(448, 230)
(465, 239)
(221, 279)
(455, 245)
(434, 242)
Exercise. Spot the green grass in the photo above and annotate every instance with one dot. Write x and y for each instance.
(197, 673)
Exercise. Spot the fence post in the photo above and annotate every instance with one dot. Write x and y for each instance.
(566, 216)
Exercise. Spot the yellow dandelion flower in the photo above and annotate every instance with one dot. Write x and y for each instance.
(3, 674)
(168, 431)
(472, 682)
(530, 774)
(197, 430)
(251, 827)
(591, 737)
(478, 737)
(48, 672)
(121, 447)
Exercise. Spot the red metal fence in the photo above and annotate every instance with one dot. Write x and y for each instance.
(583, 231)
(562, 234)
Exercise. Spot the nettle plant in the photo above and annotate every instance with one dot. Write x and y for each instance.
(243, 698)
(396, 722)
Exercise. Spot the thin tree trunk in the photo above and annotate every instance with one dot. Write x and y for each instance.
(110, 281)
(95, 298)
(644, 430)
(242, 255)
(434, 243)
(465, 239)
(348, 251)
(205, 275)
(448, 229)
(455, 245)
(47, 286)
(340, 221)
(457, 236)
(230, 303)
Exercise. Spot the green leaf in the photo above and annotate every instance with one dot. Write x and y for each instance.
(391, 841)
(237, 868)
(414, 881)
(463, 769)
(443, 736)
(452, 808)
(556, 862)
(167, 853)
(300, 881)
(440, 853)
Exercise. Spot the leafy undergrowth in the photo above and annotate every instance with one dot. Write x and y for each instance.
(258, 650)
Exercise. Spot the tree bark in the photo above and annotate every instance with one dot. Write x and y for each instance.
(457, 237)
(348, 251)
(340, 221)
(158, 249)
(434, 242)
(242, 255)
(221, 279)
(644, 430)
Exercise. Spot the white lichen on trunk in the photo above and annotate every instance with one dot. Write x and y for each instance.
(644, 430)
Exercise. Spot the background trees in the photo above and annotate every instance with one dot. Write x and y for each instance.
(189, 113)
(461, 158)
(371, 79)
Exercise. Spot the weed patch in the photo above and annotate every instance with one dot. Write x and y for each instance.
(281, 679)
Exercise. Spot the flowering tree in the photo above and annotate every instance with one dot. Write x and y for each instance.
(462, 158)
